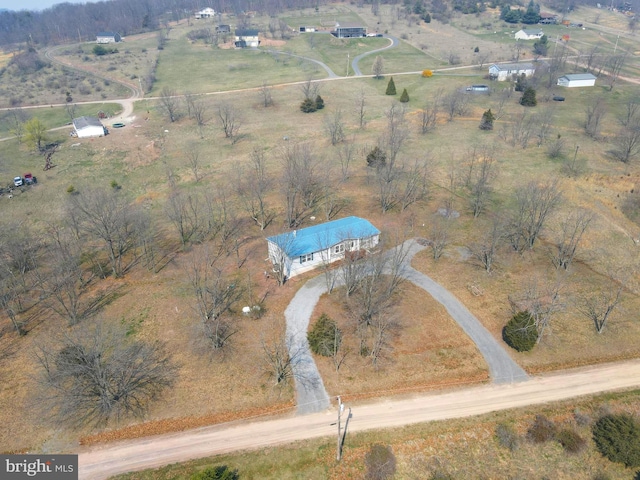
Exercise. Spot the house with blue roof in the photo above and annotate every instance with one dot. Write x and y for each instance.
(299, 251)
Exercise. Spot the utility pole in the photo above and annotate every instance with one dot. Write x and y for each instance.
(348, 61)
(616, 47)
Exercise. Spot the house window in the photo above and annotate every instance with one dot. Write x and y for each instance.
(365, 242)
(338, 248)
(306, 258)
(352, 244)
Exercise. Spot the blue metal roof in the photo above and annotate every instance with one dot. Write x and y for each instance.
(322, 236)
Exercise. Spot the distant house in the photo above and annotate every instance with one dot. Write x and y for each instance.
(577, 80)
(108, 37)
(349, 30)
(223, 29)
(506, 71)
(302, 250)
(529, 34)
(205, 13)
(247, 38)
(307, 29)
(85, 127)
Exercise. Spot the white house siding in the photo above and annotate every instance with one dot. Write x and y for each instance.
(294, 266)
(506, 71)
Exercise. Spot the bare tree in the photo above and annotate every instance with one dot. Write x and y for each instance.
(615, 64)
(200, 114)
(631, 114)
(301, 183)
(396, 133)
(187, 214)
(346, 153)
(277, 357)
(17, 118)
(65, 281)
(97, 375)
(310, 89)
(361, 104)
(595, 113)
(541, 301)
(428, 115)
(482, 171)
(518, 131)
(70, 109)
(230, 121)
(534, 203)
(557, 62)
(280, 248)
(599, 304)
(455, 103)
(544, 122)
(572, 228)
(108, 217)
(414, 183)
(627, 143)
(170, 103)
(486, 250)
(253, 187)
(10, 301)
(378, 67)
(215, 296)
(439, 236)
(193, 157)
(334, 127)
(265, 95)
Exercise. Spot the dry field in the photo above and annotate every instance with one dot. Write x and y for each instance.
(430, 352)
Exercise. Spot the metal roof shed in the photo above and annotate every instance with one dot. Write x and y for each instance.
(88, 127)
(577, 80)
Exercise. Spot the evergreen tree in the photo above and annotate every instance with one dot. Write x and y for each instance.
(541, 46)
(319, 103)
(404, 98)
(308, 106)
(532, 15)
(521, 83)
(391, 87)
(528, 98)
(487, 120)
(376, 158)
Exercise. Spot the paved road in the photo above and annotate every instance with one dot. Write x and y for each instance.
(354, 62)
(100, 462)
(311, 394)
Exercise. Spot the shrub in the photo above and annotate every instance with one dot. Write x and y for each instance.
(380, 463)
(571, 441)
(319, 103)
(487, 120)
(308, 106)
(542, 430)
(617, 437)
(325, 337)
(520, 333)
(507, 436)
(99, 50)
(220, 472)
(427, 73)
(391, 87)
(404, 98)
(376, 158)
(71, 189)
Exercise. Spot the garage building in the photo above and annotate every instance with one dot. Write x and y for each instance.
(88, 127)
(577, 80)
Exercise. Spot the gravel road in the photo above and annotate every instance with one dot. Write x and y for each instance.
(100, 462)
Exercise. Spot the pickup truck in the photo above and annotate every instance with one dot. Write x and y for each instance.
(18, 182)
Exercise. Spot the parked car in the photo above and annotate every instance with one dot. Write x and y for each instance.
(29, 179)
(17, 181)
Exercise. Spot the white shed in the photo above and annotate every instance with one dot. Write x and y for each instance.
(527, 34)
(577, 80)
(88, 127)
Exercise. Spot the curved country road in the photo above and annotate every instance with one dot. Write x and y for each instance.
(100, 462)
(354, 62)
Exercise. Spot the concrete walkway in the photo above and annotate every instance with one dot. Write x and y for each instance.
(311, 394)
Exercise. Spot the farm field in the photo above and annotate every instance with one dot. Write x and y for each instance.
(150, 161)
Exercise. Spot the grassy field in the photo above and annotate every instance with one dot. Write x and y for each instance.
(150, 151)
(466, 448)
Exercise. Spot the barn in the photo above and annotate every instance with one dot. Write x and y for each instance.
(299, 251)
(577, 80)
(85, 127)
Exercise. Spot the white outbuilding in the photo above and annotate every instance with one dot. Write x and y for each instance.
(577, 80)
(85, 127)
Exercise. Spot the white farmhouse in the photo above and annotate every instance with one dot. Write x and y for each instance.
(302, 250)
(108, 37)
(246, 38)
(526, 34)
(85, 127)
(577, 80)
(205, 13)
(506, 71)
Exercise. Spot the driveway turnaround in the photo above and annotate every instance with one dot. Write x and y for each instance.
(311, 394)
